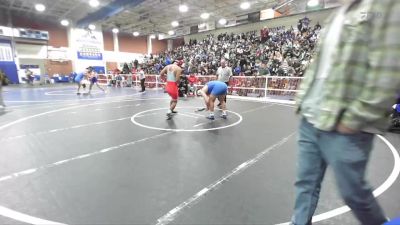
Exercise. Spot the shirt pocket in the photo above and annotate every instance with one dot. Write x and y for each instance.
(356, 24)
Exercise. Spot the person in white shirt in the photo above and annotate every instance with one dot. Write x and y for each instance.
(224, 73)
(142, 79)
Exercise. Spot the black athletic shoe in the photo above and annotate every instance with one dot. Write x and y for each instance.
(169, 116)
(211, 117)
(175, 112)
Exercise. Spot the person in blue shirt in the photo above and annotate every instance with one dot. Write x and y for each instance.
(210, 92)
(237, 70)
(80, 77)
(168, 61)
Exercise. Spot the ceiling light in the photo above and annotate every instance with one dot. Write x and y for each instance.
(40, 7)
(312, 3)
(92, 27)
(183, 8)
(64, 23)
(175, 23)
(152, 36)
(202, 25)
(94, 3)
(205, 16)
(135, 33)
(245, 5)
(222, 21)
(160, 36)
(115, 30)
(171, 32)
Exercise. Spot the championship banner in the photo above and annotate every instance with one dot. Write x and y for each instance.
(6, 52)
(89, 44)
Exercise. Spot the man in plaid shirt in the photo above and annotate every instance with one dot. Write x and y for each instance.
(345, 99)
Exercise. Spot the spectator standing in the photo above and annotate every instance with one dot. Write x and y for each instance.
(142, 79)
(224, 74)
(344, 100)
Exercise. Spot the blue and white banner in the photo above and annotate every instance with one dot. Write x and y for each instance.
(7, 64)
(6, 52)
(90, 55)
(89, 44)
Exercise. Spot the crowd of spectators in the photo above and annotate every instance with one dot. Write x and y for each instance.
(278, 51)
(275, 51)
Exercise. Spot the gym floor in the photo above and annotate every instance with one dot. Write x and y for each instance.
(114, 159)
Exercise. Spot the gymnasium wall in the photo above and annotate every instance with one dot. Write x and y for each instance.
(32, 61)
(108, 41)
(129, 43)
(316, 16)
(3, 18)
(31, 54)
(178, 42)
(58, 36)
(54, 67)
(111, 66)
(159, 46)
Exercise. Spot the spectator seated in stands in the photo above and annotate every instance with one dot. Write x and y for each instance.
(192, 84)
(118, 80)
(263, 71)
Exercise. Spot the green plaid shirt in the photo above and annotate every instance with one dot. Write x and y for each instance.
(365, 76)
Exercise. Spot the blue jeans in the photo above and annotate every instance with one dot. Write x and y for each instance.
(348, 156)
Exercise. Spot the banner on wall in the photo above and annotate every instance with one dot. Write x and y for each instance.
(206, 27)
(57, 53)
(182, 31)
(89, 44)
(6, 52)
(6, 31)
(35, 69)
(267, 14)
(7, 64)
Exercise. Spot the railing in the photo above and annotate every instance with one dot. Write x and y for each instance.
(247, 86)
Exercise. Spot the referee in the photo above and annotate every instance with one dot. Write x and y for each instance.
(224, 73)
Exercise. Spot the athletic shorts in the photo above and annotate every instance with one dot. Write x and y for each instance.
(219, 89)
(93, 80)
(77, 80)
(172, 90)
